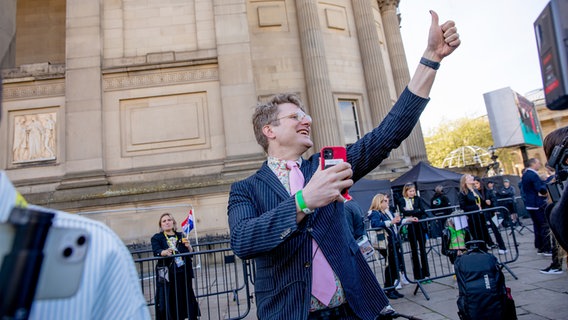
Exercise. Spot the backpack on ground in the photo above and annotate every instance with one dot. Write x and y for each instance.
(481, 284)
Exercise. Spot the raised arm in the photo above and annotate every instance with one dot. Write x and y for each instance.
(442, 41)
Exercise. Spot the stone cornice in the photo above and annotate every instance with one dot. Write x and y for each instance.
(33, 89)
(70, 199)
(160, 77)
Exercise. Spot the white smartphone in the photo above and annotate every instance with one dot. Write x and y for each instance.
(63, 264)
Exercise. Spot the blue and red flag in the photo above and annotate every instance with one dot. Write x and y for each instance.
(187, 224)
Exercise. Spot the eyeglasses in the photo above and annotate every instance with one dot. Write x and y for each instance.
(298, 115)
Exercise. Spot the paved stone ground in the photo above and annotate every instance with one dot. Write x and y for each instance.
(537, 296)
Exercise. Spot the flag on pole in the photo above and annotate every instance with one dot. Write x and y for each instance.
(187, 224)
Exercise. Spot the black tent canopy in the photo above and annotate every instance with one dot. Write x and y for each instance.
(426, 177)
(364, 190)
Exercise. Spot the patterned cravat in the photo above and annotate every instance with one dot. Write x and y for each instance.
(323, 281)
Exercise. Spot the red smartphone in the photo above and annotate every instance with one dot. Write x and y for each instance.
(331, 156)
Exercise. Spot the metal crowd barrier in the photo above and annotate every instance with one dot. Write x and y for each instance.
(439, 265)
(223, 283)
(220, 283)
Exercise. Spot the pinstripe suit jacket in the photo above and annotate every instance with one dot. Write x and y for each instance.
(262, 220)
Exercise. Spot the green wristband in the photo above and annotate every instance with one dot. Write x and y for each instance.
(302, 203)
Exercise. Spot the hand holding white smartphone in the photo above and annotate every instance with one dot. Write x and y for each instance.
(64, 255)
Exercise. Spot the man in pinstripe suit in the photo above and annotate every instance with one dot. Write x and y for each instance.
(277, 229)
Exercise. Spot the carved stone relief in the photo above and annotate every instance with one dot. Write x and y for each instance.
(34, 137)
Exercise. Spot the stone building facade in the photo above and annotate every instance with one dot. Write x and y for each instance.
(115, 106)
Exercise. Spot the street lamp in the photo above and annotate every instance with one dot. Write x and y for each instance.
(493, 165)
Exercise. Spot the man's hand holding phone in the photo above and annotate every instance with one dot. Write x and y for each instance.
(327, 185)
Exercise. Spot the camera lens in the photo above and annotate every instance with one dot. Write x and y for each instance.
(81, 240)
(67, 252)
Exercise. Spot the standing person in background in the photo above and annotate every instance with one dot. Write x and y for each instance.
(506, 198)
(354, 217)
(556, 211)
(410, 206)
(470, 200)
(439, 202)
(175, 298)
(381, 217)
(488, 200)
(535, 198)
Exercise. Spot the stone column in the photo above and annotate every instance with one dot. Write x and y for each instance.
(415, 146)
(7, 33)
(236, 81)
(374, 70)
(372, 60)
(83, 96)
(321, 104)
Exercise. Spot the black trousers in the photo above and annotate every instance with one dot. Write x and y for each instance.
(342, 312)
(417, 240)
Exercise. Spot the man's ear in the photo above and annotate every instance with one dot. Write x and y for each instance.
(268, 132)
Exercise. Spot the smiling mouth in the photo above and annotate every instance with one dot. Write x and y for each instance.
(304, 132)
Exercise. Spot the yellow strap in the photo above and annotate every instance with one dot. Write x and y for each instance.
(20, 201)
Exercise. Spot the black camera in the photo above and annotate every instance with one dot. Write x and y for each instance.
(559, 160)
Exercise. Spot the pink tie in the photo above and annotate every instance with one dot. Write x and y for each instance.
(296, 177)
(323, 281)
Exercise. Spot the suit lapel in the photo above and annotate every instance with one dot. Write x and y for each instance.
(266, 175)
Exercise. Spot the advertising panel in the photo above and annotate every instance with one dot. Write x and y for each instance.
(512, 118)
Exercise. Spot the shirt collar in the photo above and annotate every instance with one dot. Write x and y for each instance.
(275, 163)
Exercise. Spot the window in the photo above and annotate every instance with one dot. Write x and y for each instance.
(349, 120)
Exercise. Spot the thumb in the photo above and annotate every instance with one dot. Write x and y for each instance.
(434, 18)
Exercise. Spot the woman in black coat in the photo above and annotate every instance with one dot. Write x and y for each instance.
(471, 200)
(175, 298)
(410, 206)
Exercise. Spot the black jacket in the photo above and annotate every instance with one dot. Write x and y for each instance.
(160, 243)
(417, 208)
(468, 201)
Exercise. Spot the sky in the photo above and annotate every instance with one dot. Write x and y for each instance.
(498, 50)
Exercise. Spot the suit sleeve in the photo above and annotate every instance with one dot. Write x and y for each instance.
(253, 232)
(369, 151)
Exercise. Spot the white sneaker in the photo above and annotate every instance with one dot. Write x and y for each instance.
(551, 270)
(503, 251)
(403, 279)
(397, 284)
